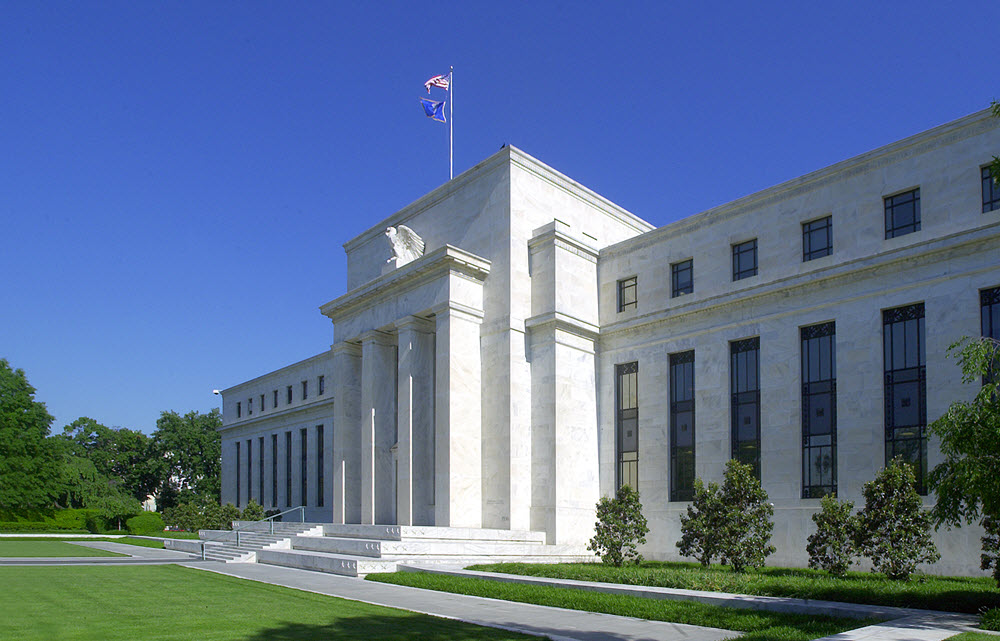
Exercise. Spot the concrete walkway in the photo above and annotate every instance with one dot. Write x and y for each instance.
(556, 623)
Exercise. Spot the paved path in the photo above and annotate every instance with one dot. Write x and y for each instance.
(557, 623)
(136, 556)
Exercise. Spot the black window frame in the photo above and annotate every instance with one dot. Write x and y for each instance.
(747, 247)
(627, 461)
(321, 385)
(288, 394)
(305, 390)
(250, 406)
(897, 204)
(239, 473)
(628, 287)
(991, 191)
(904, 343)
(304, 465)
(682, 406)
(239, 409)
(745, 394)
(288, 468)
(813, 230)
(274, 471)
(678, 272)
(262, 404)
(320, 451)
(260, 469)
(275, 399)
(249, 469)
(989, 312)
(818, 345)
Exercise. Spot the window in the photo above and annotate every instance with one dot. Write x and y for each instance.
(989, 302)
(682, 426)
(991, 192)
(260, 469)
(239, 409)
(261, 402)
(745, 260)
(682, 278)
(305, 390)
(303, 466)
(905, 388)
(817, 238)
(819, 411)
(321, 382)
(627, 294)
(319, 464)
(288, 400)
(238, 475)
(275, 399)
(288, 469)
(902, 213)
(249, 469)
(274, 470)
(250, 406)
(745, 412)
(627, 423)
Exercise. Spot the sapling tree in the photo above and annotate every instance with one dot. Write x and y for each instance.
(831, 547)
(702, 523)
(620, 528)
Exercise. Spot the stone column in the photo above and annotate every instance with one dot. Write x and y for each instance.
(415, 402)
(378, 433)
(346, 433)
(458, 417)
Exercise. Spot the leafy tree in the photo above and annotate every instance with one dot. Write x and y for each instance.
(253, 511)
(29, 463)
(893, 530)
(620, 526)
(188, 452)
(990, 558)
(704, 519)
(831, 547)
(966, 481)
(123, 456)
(732, 522)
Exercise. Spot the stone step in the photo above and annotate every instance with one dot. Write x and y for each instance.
(321, 562)
(340, 545)
(470, 534)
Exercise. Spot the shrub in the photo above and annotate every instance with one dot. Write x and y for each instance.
(96, 524)
(227, 515)
(699, 527)
(831, 547)
(990, 557)
(991, 620)
(620, 526)
(732, 522)
(145, 524)
(893, 530)
(253, 511)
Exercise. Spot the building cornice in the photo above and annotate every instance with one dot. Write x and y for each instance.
(967, 127)
(444, 260)
(297, 412)
(562, 322)
(276, 373)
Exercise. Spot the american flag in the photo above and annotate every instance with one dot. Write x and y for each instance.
(438, 81)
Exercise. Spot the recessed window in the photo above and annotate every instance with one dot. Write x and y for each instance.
(303, 466)
(745, 259)
(991, 192)
(239, 409)
(817, 238)
(989, 305)
(322, 385)
(319, 465)
(261, 402)
(627, 423)
(275, 399)
(305, 390)
(682, 278)
(288, 395)
(682, 426)
(744, 372)
(239, 469)
(250, 406)
(902, 213)
(627, 294)
(906, 388)
(819, 411)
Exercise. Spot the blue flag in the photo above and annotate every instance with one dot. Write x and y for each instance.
(434, 109)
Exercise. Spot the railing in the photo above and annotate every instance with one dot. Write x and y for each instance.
(302, 519)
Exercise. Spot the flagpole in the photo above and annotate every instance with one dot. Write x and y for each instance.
(451, 123)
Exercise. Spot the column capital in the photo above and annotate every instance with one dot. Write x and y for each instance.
(377, 337)
(416, 324)
(451, 308)
(344, 347)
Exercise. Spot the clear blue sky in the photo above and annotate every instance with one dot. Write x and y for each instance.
(177, 179)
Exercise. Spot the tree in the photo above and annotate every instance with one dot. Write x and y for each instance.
(620, 526)
(893, 530)
(704, 518)
(966, 481)
(29, 463)
(188, 452)
(831, 547)
(123, 456)
(732, 522)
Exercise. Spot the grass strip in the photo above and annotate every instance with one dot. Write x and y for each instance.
(757, 625)
(973, 636)
(47, 548)
(173, 603)
(951, 594)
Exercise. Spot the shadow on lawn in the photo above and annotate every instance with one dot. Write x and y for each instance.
(365, 628)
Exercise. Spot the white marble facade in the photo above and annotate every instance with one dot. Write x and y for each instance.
(474, 385)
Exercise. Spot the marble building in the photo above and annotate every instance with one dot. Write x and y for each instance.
(512, 346)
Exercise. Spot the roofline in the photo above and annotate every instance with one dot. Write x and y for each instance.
(322, 354)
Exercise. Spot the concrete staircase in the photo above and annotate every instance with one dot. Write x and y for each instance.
(356, 550)
(226, 546)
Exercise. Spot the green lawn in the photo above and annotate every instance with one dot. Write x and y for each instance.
(954, 594)
(168, 602)
(973, 636)
(756, 625)
(46, 548)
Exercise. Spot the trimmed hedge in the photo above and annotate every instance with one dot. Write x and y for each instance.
(48, 520)
(145, 524)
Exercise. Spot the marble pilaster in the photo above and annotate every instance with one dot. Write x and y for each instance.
(346, 433)
(415, 414)
(378, 433)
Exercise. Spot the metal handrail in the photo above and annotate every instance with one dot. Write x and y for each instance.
(238, 530)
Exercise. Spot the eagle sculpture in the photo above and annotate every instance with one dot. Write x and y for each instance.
(406, 245)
